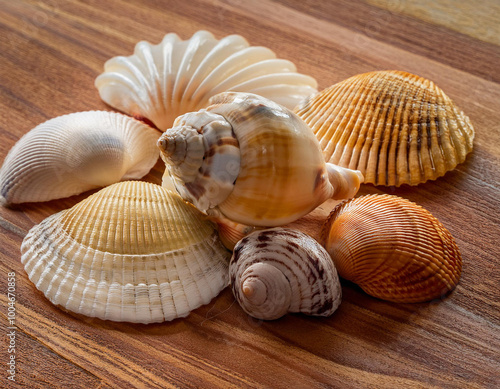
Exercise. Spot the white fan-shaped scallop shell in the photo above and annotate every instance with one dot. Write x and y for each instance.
(161, 82)
(77, 152)
(133, 251)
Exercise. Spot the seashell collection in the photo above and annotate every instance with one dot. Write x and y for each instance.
(249, 146)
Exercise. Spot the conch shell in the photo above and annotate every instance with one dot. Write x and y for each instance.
(395, 127)
(161, 82)
(392, 248)
(252, 161)
(281, 270)
(133, 252)
(77, 152)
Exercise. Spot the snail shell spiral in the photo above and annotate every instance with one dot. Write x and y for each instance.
(280, 270)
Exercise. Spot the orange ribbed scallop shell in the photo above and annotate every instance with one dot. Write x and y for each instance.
(395, 127)
(392, 248)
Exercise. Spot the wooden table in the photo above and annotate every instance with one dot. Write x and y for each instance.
(51, 52)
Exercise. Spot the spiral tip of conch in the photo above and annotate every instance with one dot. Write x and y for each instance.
(254, 290)
(165, 145)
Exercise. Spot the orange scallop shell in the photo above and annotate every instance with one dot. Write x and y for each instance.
(392, 248)
(395, 127)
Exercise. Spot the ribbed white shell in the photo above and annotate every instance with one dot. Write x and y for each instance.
(161, 82)
(133, 251)
(77, 152)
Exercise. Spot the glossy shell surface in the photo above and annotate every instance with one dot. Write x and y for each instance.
(133, 251)
(280, 270)
(160, 82)
(77, 152)
(272, 168)
(395, 127)
(392, 248)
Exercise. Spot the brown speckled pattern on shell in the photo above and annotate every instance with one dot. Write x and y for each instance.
(310, 278)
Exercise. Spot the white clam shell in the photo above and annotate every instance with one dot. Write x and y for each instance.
(160, 82)
(133, 252)
(77, 152)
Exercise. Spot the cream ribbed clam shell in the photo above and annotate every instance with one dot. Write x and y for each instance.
(160, 82)
(392, 248)
(393, 126)
(133, 251)
(73, 153)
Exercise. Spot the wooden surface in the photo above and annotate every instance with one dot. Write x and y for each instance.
(50, 53)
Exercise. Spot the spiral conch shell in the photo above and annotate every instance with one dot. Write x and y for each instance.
(280, 270)
(252, 161)
(161, 82)
(77, 152)
(133, 252)
(395, 127)
(392, 248)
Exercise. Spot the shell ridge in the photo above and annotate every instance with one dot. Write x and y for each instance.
(411, 259)
(144, 52)
(126, 72)
(235, 64)
(359, 112)
(224, 48)
(424, 123)
(190, 61)
(335, 131)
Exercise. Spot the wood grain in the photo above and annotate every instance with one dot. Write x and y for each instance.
(50, 54)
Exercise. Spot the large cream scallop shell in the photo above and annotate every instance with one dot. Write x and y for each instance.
(395, 127)
(133, 251)
(77, 152)
(392, 248)
(160, 82)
